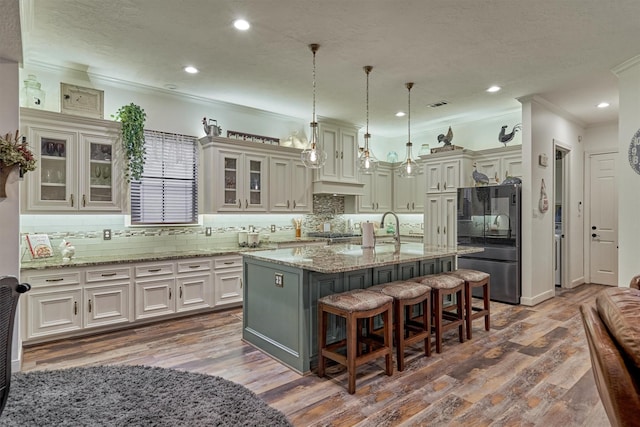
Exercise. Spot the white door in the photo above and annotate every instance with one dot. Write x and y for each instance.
(604, 219)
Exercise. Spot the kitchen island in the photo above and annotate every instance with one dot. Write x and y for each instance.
(282, 287)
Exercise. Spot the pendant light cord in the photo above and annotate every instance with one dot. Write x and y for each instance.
(367, 70)
(409, 86)
(314, 49)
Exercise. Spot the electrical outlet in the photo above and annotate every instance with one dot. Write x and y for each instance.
(273, 228)
(207, 231)
(279, 281)
(106, 234)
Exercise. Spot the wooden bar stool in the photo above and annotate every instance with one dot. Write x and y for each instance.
(408, 329)
(355, 306)
(475, 279)
(441, 285)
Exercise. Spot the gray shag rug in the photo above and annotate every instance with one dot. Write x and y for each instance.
(132, 396)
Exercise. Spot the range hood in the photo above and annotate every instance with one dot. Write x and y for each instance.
(338, 188)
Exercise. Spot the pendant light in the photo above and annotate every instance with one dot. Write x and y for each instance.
(313, 157)
(409, 168)
(367, 162)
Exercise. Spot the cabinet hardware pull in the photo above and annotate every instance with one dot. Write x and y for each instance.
(438, 186)
(84, 200)
(373, 205)
(154, 270)
(377, 205)
(342, 154)
(239, 203)
(169, 293)
(75, 308)
(89, 306)
(438, 229)
(194, 266)
(294, 204)
(444, 230)
(287, 204)
(407, 205)
(180, 292)
(228, 262)
(246, 203)
(445, 185)
(108, 274)
(71, 199)
(336, 154)
(413, 206)
(58, 279)
(240, 283)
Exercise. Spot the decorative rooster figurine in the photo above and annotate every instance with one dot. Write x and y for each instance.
(479, 177)
(506, 137)
(446, 139)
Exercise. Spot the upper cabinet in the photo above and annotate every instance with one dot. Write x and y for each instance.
(340, 172)
(79, 163)
(378, 188)
(238, 176)
(289, 185)
(447, 171)
(409, 193)
(241, 182)
(500, 163)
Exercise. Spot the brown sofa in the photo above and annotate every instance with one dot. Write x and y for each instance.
(613, 333)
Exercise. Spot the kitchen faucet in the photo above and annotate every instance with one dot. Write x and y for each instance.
(396, 234)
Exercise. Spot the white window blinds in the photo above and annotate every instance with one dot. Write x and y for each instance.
(167, 192)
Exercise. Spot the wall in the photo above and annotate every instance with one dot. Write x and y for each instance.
(628, 181)
(544, 126)
(601, 137)
(9, 206)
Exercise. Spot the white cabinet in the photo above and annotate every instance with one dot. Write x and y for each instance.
(498, 164)
(107, 296)
(79, 163)
(440, 220)
(164, 288)
(447, 173)
(378, 188)
(228, 272)
(409, 193)
(241, 182)
(193, 282)
(289, 185)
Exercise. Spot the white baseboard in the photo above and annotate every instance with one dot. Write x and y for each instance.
(576, 282)
(16, 365)
(531, 301)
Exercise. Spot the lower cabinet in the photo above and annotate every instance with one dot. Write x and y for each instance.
(228, 281)
(65, 302)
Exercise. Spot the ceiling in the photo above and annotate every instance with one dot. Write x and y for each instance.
(561, 50)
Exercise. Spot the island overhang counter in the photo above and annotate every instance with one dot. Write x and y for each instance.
(282, 287)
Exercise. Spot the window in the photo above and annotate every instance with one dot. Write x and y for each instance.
(167, 192)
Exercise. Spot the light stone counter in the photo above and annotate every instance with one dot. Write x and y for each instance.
(339, 258)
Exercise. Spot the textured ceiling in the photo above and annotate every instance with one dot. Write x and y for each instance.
(10, 46)
(562, 50)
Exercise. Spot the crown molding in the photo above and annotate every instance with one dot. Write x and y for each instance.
(629, 63)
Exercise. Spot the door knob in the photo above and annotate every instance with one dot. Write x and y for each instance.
(594, 235)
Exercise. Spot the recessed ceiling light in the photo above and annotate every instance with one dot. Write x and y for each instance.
(190, 69)
(241, 24)
(493, 89)
(400, 114)
(603, 105)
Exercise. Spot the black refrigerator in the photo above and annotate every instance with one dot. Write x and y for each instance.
(489, 217)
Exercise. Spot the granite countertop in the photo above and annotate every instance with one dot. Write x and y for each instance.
(348, 257)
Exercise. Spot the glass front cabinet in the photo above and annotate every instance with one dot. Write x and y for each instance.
(242, 182)
(78, 165)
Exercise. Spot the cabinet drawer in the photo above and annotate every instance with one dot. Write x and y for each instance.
(107, 274)
(156, 269)
(53, 278)
(193, 265)
(227, 262)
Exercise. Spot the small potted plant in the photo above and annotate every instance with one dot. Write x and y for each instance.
(132, 118)
(14, 151)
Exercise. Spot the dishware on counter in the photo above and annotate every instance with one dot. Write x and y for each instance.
(243, 238)
(253, 239)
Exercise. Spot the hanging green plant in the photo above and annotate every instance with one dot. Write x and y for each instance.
(132, 118)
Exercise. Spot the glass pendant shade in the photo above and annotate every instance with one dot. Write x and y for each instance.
(367, 162)
(409, 168)
(313, 157)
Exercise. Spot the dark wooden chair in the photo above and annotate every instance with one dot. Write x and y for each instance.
(10, 290)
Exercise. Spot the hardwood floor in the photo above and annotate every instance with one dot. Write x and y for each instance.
(531, 369)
